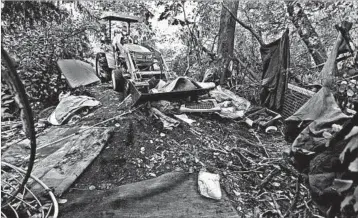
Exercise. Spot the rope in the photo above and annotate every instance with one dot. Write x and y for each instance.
(90, 127)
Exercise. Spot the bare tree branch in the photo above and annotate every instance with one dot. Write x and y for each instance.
(195, 38)
(252, 73)
(213, 45)
(248, 27)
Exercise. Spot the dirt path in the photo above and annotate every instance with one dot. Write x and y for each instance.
(140, 149)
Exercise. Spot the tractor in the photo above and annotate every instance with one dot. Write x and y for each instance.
(134, 68)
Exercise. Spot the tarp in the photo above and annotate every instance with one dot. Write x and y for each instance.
(323, 111)
(276, 60)
(179, 84)
(68, 106)
(173, 194)
(327, 149)
(59, 164)
(77, 73)
(314, 151)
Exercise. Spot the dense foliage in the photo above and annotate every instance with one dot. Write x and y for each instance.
(37, 34)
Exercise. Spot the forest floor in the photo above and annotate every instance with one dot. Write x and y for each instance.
(252, 169)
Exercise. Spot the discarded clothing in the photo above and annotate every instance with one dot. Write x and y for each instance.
(276, 60)
(68, 106)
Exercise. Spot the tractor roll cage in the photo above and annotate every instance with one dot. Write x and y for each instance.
(119, 17)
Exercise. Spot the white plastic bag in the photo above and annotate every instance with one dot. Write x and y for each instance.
(209, 185)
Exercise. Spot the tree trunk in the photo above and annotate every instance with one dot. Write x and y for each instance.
(226, 36)
(307, 32)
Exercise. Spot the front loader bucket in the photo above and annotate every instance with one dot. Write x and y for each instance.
(140, 98)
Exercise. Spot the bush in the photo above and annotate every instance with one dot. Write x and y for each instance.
(37, 43)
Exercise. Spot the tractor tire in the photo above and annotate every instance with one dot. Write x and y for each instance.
(117, 80)
(126, 89)
(99, 68)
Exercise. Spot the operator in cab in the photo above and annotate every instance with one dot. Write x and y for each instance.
(117, 44)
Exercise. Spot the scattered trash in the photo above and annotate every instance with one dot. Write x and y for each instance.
(104, 186)
(326, 135)
(263, 118)
(152, 174)
(185, 118)
(162, 134)
(236, 109)
(62, 201)
(168, 122)
(249, 122)
(163, 105)
(276, 184)
(271, 129)
(209, 185)
(336, 127)
(70, 105)
(142, 150)
(92, 187)
(207, 105)
(206, 85)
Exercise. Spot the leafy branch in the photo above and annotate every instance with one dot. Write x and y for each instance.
(248, 27)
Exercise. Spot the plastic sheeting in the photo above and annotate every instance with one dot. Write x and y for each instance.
(276, 60)
(232, 106)
(318, 152)
(323, 111)
(77, 73)
(68, 106)
(179, 84)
